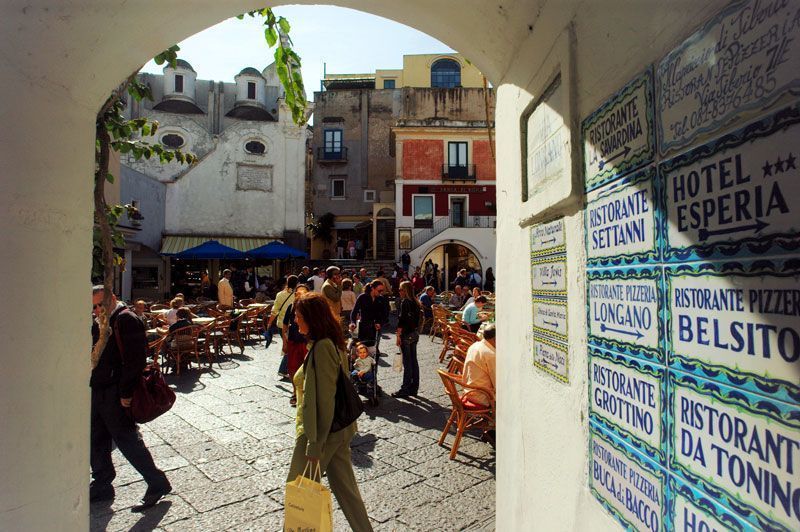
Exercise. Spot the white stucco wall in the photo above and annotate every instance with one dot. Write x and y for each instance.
(206, 200)
(58, 64)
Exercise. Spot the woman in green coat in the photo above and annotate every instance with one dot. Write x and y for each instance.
(315, 382)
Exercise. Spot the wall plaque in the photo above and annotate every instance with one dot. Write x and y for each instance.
(735, 195)
(743, 448)
(737, 323)
(625, 311)
(549, 276)
(253, 177)
(550, 317)
(626, 483)
(552, 357)
(548, 238)
(621, 222)
(547, 142)
(618, 137)
(627, 398)
(742, 60)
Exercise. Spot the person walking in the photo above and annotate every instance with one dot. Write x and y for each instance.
(407, 338)
(371, 311)
(315, 382)
(488, 282)
(294, 341)
(332, 289)
(114, 376)
(275, 324)
(405, 259)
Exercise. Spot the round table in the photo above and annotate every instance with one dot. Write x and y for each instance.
(202, 321)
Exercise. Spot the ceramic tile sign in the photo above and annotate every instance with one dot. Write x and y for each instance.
(621, 222)
(737, 324)
(618, 137)
(627, 398)
(551, 356)
(549, 276)
(548, 238)
(691, 509)
(627, 484)
(624, 311)
(736, 196)
(743, 448)
(739, 62)
(550, 318)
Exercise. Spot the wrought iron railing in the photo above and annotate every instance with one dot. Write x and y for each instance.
(420, 236)
(331, 155)
(464, 172)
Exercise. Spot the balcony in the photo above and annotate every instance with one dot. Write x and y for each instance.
(331, 156)
(464, 172)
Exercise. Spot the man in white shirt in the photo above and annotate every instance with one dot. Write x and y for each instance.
(479, 366)
(318, 279)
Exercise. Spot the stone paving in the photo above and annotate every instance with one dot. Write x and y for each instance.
(227, 443)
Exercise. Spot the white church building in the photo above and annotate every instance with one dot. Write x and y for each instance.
(246, 188)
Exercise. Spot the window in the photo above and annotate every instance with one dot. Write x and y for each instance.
(172, 140)
(251, 90)
(255, 147)
(423, 211)
(369, 196)
(337, 188)
(456, 154)
(388, 84)
(445, 74)
(178, 83)
(333, 143)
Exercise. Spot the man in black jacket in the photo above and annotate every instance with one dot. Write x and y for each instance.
(372, 309)
(113, 380)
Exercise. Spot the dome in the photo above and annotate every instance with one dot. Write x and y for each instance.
(250, 71)
(182, 63)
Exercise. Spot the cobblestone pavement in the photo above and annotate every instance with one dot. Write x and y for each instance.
(227, 442)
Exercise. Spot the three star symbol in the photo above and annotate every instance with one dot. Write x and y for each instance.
(780, 165)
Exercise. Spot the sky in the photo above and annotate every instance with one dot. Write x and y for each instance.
(348, 41)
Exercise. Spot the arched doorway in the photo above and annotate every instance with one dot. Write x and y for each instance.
(452, 257)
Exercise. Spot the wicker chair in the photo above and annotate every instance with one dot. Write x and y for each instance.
(440, 320)
(182, 343)
(159, 306)
(466, 413)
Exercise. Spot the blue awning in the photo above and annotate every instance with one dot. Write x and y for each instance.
(210, 250)
(276, 250)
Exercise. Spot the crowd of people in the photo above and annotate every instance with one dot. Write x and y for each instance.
(327, 321)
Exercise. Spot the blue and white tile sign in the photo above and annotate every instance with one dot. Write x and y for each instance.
(550, 317)
(621, 222)
(548, 238)
(740, 61)
(736, 195)
(551, 356)
(618, 137)
(693, 283)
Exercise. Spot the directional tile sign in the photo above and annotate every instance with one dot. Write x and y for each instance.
(621, 222)
(549, 276)
(736, 195)
(551, 356)
(626, 483)
(624, 311)
(626, 397)
(737, 323)
(618, 137)
(550, 317)
(691, 509)
(740, 61)
(743, 448)
(548, 238)
(548, 299)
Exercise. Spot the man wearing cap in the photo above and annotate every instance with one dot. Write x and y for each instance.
(332, 289)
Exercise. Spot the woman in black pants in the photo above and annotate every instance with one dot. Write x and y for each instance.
(407, 338)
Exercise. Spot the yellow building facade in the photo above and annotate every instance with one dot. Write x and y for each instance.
(419, 71)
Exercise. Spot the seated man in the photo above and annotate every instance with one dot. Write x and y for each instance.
(479, 370)
(457, 299)
(475, 293)
(472, 314)
(427, 301)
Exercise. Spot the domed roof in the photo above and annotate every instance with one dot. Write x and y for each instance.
(250, 71)
(184, 64)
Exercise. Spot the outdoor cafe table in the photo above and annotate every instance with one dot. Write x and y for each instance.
(202, 321)
(258, 305)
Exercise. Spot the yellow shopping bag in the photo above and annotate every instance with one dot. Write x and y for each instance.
(308, 505)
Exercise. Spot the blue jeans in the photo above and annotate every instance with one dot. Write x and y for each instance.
(368, 376)
(408, 347)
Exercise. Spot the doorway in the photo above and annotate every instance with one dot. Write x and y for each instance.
(457, 211)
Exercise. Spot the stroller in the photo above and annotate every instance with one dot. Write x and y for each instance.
(368, 387)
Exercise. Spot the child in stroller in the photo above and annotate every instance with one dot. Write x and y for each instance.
(364, 371)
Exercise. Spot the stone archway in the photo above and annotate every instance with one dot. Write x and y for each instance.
(59, 63)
